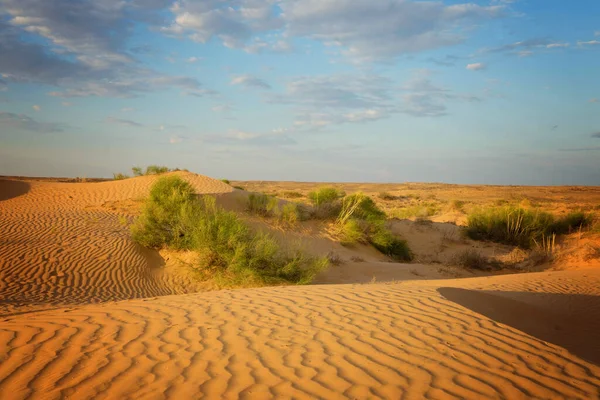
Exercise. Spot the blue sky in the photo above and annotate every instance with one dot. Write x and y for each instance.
(493, 92)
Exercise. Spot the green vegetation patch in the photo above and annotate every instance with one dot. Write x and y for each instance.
(228, 250)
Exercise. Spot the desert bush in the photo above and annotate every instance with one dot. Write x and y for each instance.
(325, 195)
(117, 176)
(227, 181)
(519, 226)
(137, 171)
(472, 259)
(292, 195)
(239, 187)
(418, 210)
(289, 214)
(386, 196)
(173, 217)
(262, 204)
(389, 244)
(458, 205)
(156, 170)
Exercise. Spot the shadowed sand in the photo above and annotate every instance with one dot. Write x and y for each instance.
(62, 247)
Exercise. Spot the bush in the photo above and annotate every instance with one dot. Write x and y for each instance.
(262, 204)
(458, 205)
(386, 196)
(156, 170)
(519, 226)
(119, 176)
(173, 217)
(239, 187)
(137, 171)
(472, 259)
(292, 195)
(289, 214)
(325, 195)
(386, 242)
(227, 181)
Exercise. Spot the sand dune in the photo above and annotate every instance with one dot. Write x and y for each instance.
(407, 340)
(62, 243)
(64, 246)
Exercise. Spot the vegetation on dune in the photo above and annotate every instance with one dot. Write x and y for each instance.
(228, 249)
(117, 176)
(292, 195)
(227, 181)
(361, 221)
(521, 227)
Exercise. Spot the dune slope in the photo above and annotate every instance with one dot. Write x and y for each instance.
(408, 340)
(63, 243)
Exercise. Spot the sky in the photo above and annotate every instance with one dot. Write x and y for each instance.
(485, 92)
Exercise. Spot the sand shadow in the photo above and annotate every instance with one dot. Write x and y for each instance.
(10, 189)
(571, 321)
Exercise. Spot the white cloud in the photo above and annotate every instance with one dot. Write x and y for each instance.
(36, 107)
(589, 43)
(250, 81)
(222, 108)
(370, 30)
(525, 53)
(476, 66)
(193, 60)
(557, 45)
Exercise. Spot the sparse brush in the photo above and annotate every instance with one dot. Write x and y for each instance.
(472, 259)
(227, 247)
(458, 205)
(289, 214)
(137, 171)
(292, 195)
(239, 187)
(519, 226)
(545, 249)
(119, 176)
(386, 196)
(262, 204)
(227, 181)
(389, 244)
(325, 195)
(334, 258)
(156, 170)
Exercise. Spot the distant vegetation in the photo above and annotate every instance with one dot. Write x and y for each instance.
(227, 181)
(356, 218)
(228, 249)
(522, 227)
(150, 170)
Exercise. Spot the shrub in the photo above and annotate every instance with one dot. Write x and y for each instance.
(386, 242)
(572, 222)
(173, 217)
(119, 176)
(262, 204)
(386, 196)
(458, 205)
(360, 206)
(472, 259)
(239, 187)
(227, 181)
(521, 227)
(292, 195)
(325, 195)
(352, 232)
(137, 171)
(289, 214)
(156, 170)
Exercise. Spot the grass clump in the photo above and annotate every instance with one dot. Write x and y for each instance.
(386, 196)
(156, 170)
(361, 221)
(472, 259)
(117, 176)
(227, 181)
(521, 227)
(228, 249)
(325, 195)
(239, 187)
(262, 204)
(291, 195)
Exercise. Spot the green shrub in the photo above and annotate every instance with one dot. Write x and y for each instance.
(572, 222)
(289, 214)
(418, 211)
(137, 171)
(519, 226)
(228, 249)
(239, 187)
(292, 195)
(389, 244)
(119, 176)
(352, 232)
(262, 204)
(325, 195)
(156, 170)
(227, 181)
